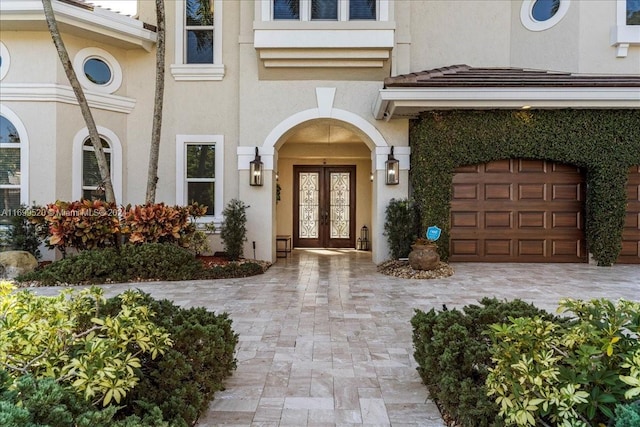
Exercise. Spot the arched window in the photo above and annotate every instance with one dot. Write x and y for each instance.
(92, 187)
(86, 180)
(13, 163)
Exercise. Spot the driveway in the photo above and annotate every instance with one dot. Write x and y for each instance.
(325, 340)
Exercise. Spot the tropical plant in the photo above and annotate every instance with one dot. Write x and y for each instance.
(401, 226)
(571, 374)
(234, 229)
(23, 235)
(69, 339)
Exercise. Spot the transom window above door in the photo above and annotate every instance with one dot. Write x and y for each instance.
(325, 10)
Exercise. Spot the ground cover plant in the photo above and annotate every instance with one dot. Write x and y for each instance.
(134, 263)
(510, 363)
(80, 359)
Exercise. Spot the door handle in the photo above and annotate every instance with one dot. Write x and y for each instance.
(325, 217)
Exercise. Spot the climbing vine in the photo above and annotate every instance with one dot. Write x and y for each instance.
(603, 143)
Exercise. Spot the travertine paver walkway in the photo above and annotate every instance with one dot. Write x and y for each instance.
(326, 341)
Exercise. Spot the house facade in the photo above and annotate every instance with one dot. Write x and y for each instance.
(325, 91)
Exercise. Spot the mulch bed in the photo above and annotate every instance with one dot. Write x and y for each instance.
(403, 270)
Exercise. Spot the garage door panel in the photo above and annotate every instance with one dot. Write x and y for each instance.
(498, 220)
(531, 166)
(497, 192)
(567, 192)
(497, 247)
(518, 211)
(499, 166)
(464, 219)
(531, 219)
(570, 220)
(630, 253)
(531, 191)
(465, 191)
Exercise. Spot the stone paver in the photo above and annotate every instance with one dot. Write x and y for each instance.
(325, 340)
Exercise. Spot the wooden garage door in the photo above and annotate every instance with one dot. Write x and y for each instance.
(630, 253)
(518, 211)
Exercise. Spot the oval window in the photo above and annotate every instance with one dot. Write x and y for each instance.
(97, 71)
(5, 60)
(540, 15)
(544, 10)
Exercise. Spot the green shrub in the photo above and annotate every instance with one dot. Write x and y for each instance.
(182, 382)
(402, 226)
(453, 356)
(68, 338)
(569, 374)
(23, 235)
(233, 269)
(234, 229)
(628, 415)
(152, 261)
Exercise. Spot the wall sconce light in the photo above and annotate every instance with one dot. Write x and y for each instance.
(255, 171)
(393, 169)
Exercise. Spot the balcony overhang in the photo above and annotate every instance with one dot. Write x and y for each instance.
(324, 45)
(80, 19)
(463, 87)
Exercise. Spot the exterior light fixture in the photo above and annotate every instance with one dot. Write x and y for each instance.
(392, 169)
(255, 171)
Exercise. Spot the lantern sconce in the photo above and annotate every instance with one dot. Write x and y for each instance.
(255, 171)
(392, 169)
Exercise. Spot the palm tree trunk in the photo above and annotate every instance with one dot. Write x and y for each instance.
(103, 166)
(154, 150)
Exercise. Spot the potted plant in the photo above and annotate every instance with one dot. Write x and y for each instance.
(424, 254)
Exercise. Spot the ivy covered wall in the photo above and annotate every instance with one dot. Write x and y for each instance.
(604, 143)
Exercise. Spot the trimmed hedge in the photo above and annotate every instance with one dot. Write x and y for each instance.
(604, 143)
(133, 263)
(453, 356)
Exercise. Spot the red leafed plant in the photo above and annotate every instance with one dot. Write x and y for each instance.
(159, 223)
(84, 224)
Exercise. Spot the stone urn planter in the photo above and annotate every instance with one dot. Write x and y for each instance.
(424, 256)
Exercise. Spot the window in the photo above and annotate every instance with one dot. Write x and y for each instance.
(86, 180)
(626, 31)
(10, 166)
(198, 51)
(540, 15)
(633, 12)
(199, 31)
(5, 60)
(91, 179)
(325, 10)
(97, 70)
(199, 172)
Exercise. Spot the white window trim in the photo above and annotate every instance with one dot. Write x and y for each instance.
(182, 71)
(6, 60)
(623, 35)
(530, 23)
(24, 153)
(93, 52)
(181, 182)
(116, 161)
(382, 11)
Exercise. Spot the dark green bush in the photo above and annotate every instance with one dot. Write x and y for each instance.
(402, 226)
(182, 381)
(452, 352)
(45, 403)
(151, 261)
(23, 235)
(234, 229)
(628, 415)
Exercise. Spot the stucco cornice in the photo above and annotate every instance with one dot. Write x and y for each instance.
(48, 92)
(95, 23)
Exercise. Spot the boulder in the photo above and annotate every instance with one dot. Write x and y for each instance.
(15, 263)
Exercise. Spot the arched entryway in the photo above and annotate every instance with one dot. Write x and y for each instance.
(333, 141)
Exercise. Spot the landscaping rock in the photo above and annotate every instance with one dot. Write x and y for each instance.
(15, 263)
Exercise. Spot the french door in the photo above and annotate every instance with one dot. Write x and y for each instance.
(324, 206)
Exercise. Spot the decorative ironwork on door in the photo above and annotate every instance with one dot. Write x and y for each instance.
(324, 206)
